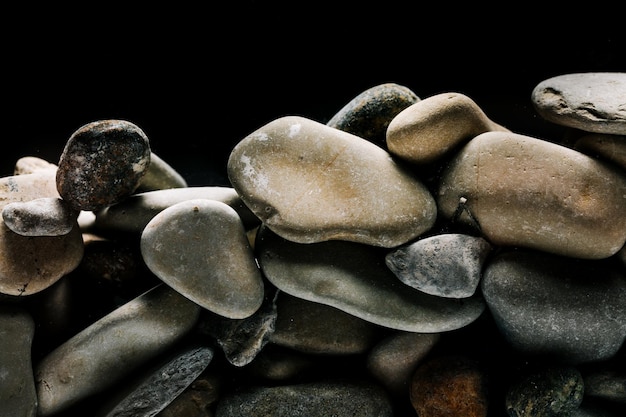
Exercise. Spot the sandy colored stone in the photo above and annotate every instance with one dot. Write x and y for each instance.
(30, 164)
(160, 176)
(610, 148)
(309, 183)
(46, 216)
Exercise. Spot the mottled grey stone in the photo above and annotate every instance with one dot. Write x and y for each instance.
(199, 247)
(309, 183)
(46, 216)
(523, 191)
(368, 114)
(109, 350)
(313, 399)
(446, 265)
(354, 278)
(592, 102)
(546, 304)
(102, 164)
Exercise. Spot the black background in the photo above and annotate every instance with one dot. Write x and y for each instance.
(197, 79)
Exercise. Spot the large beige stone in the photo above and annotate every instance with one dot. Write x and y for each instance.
(309, 182)
(523, 191)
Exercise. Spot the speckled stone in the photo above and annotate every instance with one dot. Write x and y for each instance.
(45, 216)
(199, 247)
(102, 163)
(354, 278)
(368, 114)
(309, 183)
(436, 126)
(523, 191)
(592, 102)
(109, 350)
(447, 386)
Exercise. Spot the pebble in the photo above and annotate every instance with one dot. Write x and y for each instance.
(606, 384)
(30, 164)
(434, 127)
(522, 191)
(160, 176)
(309, 183)
(610, 148)
(17, 385)
(591, 102)
(109, 350)
(102, 163)
(368, 114)
(313, 399)
(353, 277)
(449, 385)
(549, 305)
(446, 265)
(199, 247)
(197, 400)
(45, 216)
(553, 391)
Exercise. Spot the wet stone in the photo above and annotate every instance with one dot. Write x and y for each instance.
(353, 277)
(199, 247)
(102, 163)
(592, 102)
(368, 114)
(309, 183)
(46, 216)
(446, 265)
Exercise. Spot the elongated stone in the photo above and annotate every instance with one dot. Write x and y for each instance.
(113, 347)
(523, 191)
(310, 183)
(199, 247)
(353, 278)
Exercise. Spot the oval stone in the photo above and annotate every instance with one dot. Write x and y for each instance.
(523, 191)
(160, 176)
(309, 183)
(102, 163)
(592, 102)
(200, 248)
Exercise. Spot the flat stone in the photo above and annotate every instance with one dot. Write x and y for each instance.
(102, 163)
(446, 265)
(112, 348)
(368, 114)
(436, 126)
(354, 278)
(522, 191)
(199, 247)
(592, 102)
(309, 183)
(45, 216)
(160, 176)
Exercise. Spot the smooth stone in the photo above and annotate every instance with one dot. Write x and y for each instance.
(134, 213)
(554, 391)
(31, 164)
(549, 305)
(394, 359)
(112, 348)
(279, 363)
(522, 191)
(28, 186)
(592, 102)
(611, 148)
(198, 399)
(199, 247)
(102, 163)
(449, 385)
(352, 277)
(160, 176)
(45, 216)
(154, 389)
(311, 399)
(434, 127)
(446, 265)
(310, 183)
(368, 114)
(17, 385)
(606, 384)
(303, 326)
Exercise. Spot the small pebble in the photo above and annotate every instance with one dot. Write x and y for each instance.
(46, 216)
(160, 176)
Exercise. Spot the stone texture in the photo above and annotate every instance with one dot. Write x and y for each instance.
(102, 163)
(434, 127)
(109, 350)
(46, 216)
(523, 191)
(353, 278)
(199, 247)
(592, 102)
(197, 400)
(446, 265)
(544, 304)
(309, 183)
(368, 115)
(30, 164)
(160, 176)
(611, 148)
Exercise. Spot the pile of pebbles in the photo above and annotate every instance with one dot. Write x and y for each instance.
(410, 257)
